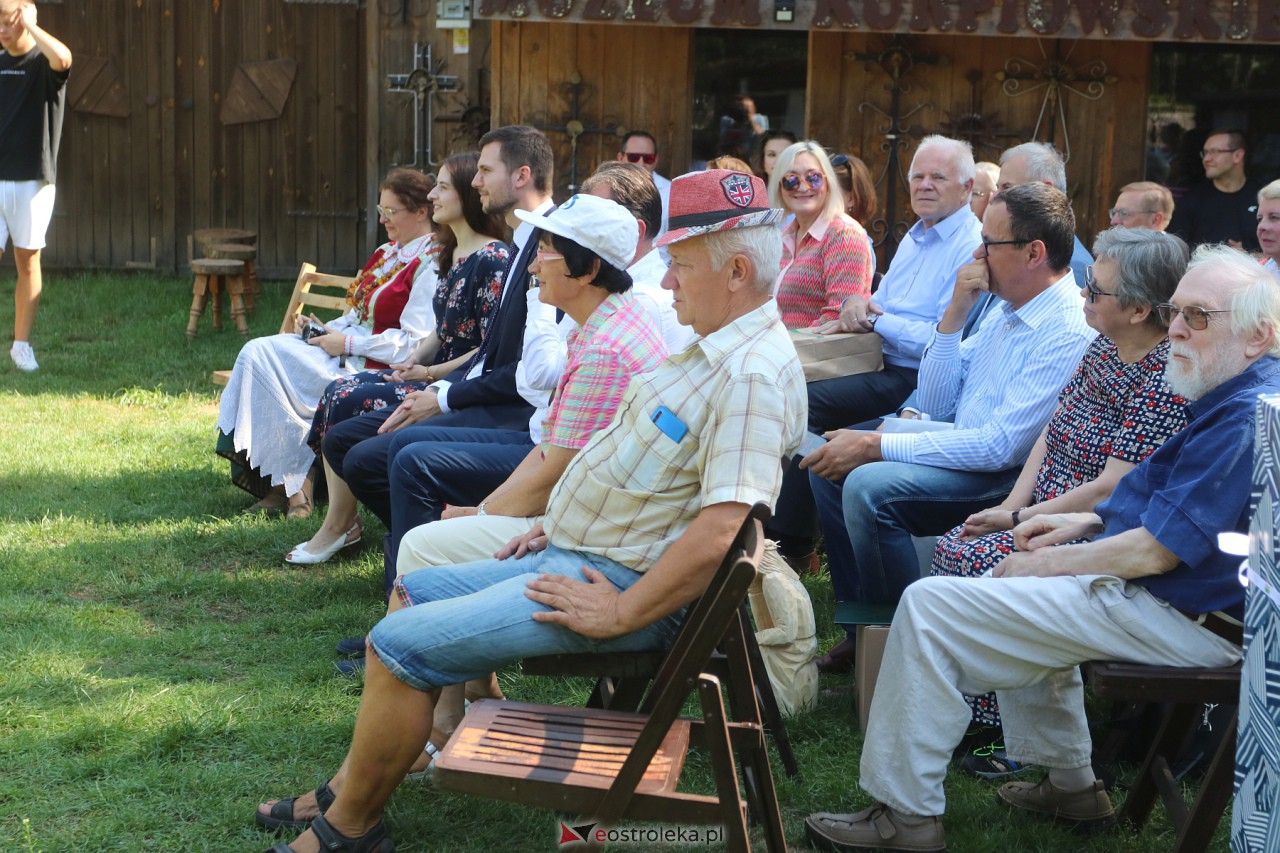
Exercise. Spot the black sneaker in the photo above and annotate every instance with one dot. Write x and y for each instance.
(991, 762)
(350, 667)
(350, 647)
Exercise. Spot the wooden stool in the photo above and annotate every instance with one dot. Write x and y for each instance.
(239, 252)
(1188, 689)
(210, 274)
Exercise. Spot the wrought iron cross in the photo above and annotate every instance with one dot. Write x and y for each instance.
(897, 62)
(575, 127)
(1057, 76)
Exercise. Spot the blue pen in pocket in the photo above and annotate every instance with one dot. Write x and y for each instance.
(671, 425)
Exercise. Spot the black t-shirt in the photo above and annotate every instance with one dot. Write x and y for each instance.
(1208, 215)
(32, 101)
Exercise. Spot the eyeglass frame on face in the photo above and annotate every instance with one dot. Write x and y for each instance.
(388, 212)
(1168, 311)
(544, 255)
(1090, 291)
(987, 244)
(1205, 152)
(1125, 213)
(791, 181)
(636, 157)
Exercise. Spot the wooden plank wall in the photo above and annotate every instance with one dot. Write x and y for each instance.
(1106, 135)
(636, 77)
(171, 166)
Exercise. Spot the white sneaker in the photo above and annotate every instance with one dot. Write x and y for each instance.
(24, 358)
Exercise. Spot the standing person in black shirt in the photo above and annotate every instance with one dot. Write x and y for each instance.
(1224, 208)
(33, 79)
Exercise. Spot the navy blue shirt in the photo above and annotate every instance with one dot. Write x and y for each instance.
(1194, 486)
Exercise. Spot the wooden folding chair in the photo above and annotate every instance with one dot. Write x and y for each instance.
(311, 290)
(609, 765)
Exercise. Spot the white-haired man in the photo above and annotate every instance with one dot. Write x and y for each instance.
(695, 443)
(1039, 163)
(1151, 587)
(911, 299)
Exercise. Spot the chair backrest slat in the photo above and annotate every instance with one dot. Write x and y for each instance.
(704, 625)
(308, 291)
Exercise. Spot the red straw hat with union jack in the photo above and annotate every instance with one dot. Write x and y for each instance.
(716, 200)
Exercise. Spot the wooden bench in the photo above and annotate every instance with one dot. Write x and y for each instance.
(311, 290)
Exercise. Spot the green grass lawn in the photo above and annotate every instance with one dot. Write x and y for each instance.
(162, 670)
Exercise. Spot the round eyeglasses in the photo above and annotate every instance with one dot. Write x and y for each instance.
(791, 183)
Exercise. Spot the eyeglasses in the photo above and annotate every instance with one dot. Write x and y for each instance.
(388, 212)
(1197, 318)
(1091, 292)
(791, 183)
(1207, 152)
(987, 244)
(648, 159)
(544, 255)
(1125, 213)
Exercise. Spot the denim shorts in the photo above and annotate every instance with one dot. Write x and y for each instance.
(465, 621)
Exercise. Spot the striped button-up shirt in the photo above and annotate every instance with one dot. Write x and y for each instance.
(999, 386)
(736, 404)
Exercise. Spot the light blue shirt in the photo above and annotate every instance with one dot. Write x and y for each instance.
(999, 386)
(915, 291)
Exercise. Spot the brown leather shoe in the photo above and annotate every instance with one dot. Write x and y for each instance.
(806, 565)
(839, 660)
(876, 828)
(1088, 810)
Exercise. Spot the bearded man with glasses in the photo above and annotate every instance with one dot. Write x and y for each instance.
(1150, 587)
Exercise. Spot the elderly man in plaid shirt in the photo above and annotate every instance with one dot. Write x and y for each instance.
(634, 528)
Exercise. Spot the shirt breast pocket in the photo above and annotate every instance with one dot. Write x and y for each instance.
(652, 460)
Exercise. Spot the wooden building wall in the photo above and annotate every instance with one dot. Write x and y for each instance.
(954, 84)
(636, 78)
(147, 154)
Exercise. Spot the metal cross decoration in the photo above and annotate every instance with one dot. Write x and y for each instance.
(575, 127)
(980, 130)
(897, 62)
(1057, 76)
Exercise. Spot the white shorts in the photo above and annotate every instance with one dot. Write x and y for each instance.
(26, 207)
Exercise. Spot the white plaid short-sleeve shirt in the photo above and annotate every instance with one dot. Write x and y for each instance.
(634, 489)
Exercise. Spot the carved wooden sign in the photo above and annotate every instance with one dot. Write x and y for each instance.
(1239, 21)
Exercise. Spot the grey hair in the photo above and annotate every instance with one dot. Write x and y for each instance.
(1149, 265)
(1255, 298)
(762, 244)
(1270, 192)
(959, 151)
(1044, 163)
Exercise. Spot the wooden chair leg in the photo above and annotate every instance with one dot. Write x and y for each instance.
(251, 290)
(1142, 796)
(200, 295)
(235, 290)
(722, 765)
(1214, 795)
(215, 296)
(769, 705)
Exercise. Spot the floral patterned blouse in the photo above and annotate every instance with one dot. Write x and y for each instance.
(467, 298)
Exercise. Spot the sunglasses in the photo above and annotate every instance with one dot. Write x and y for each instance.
(1091, 292)
(649, 159)
(791, 183)
(1197, 318)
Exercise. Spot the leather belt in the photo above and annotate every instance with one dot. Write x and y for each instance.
(1227, 630)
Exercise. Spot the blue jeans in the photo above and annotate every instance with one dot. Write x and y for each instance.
(469, 620)
(869, 518)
